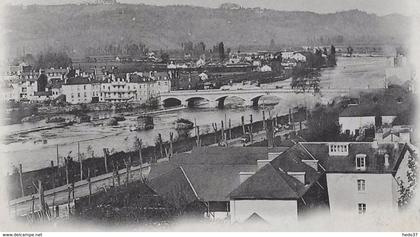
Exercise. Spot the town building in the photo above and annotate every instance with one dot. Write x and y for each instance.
(284, 188)
(347, 178)
(204, 178)
(81, 90)
(134, 87)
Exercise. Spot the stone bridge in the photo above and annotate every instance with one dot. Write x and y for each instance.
(217, 98)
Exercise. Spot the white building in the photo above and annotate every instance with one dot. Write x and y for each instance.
(355, 118)
(134, 87)
(343, 178)
(80, 90)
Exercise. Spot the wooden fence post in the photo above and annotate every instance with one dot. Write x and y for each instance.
(89, 185)
(243, 125)
(230, 129)
(80, 161)
(41, 197)
(251, 135)
(160, 145)
(66, 161)
(223, 131)
(22, 189)
(171, 140)
(198, 136)
(106, 159)
(264, 123)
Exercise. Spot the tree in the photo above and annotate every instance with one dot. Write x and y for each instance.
(53, 60)
(221, 50)
(407, 191)
(164, 57)
(323, 125)
(272, 44)
(331, 57)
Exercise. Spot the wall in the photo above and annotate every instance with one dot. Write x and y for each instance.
(353, 123)
(82, 93)
(344, 196)
(272, 211)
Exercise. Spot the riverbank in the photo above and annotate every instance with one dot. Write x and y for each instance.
(54, 176)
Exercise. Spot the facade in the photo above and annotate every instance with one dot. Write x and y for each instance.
(135, 87)
(361, 176)
(346, 178)
(80, 90)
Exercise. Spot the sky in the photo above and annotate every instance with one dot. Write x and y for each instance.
(379, 7)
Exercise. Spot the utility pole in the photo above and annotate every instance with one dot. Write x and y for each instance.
(139, 142)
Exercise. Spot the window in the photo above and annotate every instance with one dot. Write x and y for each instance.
(78, 94)
(361, 161)
(362, 208)
(361, 185)
(84, 87)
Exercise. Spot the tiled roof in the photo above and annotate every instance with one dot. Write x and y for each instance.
(345, 164)
(273, 182)
(174, 187)
(266, 183)
(214, 171)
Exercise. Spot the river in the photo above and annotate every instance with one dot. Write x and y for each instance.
(25, 149)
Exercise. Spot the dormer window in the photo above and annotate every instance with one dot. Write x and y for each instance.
(338, 149)
(361, 161)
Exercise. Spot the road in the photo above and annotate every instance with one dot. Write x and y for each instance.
(60, 195)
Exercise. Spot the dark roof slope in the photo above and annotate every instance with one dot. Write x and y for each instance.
(214, 171)
(267, 183)
(174, 187)
(342, 164)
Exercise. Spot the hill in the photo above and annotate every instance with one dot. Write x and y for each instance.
(75, 28)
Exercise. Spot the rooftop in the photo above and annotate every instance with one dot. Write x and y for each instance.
(213, 172)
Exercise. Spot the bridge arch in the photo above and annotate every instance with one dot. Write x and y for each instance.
(221, 100)
(192, 101)
(255, 100)
(171, 101)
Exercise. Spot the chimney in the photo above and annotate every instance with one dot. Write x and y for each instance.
(262, 163)
(244, 176)
(311, 163)
(298, 175)
(375, 144)
(405, 137)
(386, 160)
(379, 134)
(272, 155)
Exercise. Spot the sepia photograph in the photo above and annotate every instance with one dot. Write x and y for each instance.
(209, 116)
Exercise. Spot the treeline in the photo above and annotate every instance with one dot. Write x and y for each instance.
(48, 59)
(130, 49)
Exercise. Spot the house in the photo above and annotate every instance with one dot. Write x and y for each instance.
(374, 110)
(281, 190)
(135, 87)
(265, 68)
(346, 178)
(80, 90)
(361, 176)
(204, 178)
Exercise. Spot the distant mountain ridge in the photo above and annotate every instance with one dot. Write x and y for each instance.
(74, 28)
